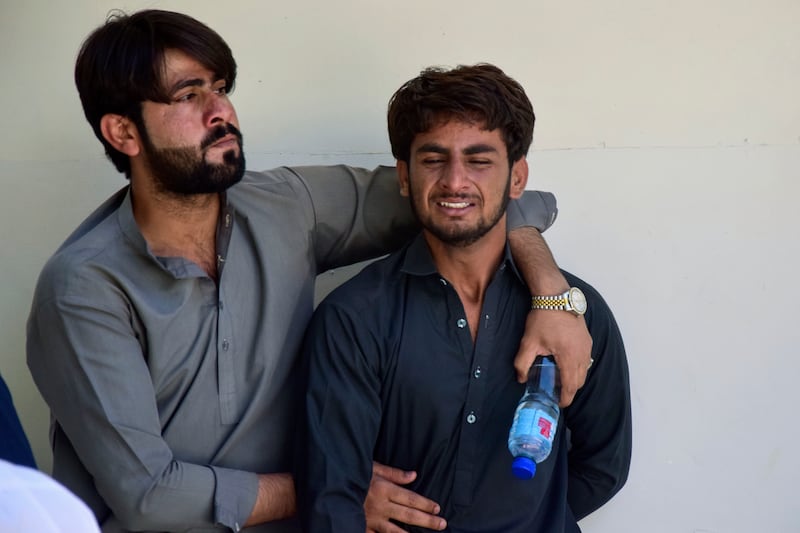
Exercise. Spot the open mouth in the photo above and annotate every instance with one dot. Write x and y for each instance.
(454, 205)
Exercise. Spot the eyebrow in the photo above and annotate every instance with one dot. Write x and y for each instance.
(432, 148)
(191, 82)
(479, 149)
(470, 150)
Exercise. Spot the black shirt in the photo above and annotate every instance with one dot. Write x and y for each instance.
(394, 376)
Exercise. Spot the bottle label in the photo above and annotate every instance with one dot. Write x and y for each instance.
(533, 421)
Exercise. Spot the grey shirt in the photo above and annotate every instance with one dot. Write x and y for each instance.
(170, 391)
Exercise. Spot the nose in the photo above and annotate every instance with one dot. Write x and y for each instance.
(218, 109)
(454, 176)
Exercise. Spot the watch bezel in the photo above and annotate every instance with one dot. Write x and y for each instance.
(577, 300)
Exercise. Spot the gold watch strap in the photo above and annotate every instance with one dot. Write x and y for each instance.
(549, 302)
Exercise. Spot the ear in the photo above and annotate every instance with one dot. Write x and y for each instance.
(121, 133)
(402, 177)
(519, 178)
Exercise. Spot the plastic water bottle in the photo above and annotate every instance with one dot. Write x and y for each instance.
(536, 419)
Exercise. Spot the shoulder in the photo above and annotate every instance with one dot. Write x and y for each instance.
(299, 179)
(89, 261)
(95, 227)
(316, 181)
(372, 293)
(75, 257)
(275, 194)
(77, 282)
(272, 180)
(361, 320)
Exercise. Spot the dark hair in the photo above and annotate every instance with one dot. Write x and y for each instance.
(121, 64)
(479, 93)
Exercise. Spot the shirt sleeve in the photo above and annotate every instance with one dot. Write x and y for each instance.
(342, 418)
(599, 418)
(359, 214)
(534, 208)
(88, 363)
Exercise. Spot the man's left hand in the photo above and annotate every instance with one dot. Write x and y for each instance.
(387, 501)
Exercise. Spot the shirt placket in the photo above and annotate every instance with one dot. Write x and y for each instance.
(478, 357)
(225, 341)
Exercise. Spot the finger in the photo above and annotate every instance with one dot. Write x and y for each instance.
(395, 475)
(395, 495)
(572, 378)
(524, 359)
(522, 364)
(416, 517)
(409, 499)
(386, 527)
(567, 395)
(530, 346)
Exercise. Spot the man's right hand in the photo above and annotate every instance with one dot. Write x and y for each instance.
(387, 500)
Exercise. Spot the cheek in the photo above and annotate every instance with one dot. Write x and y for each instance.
(175, 132)
(423, 182)
(417, 196)
(159, 127)
(496, 194)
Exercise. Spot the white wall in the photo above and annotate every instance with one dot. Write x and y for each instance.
(670, 132)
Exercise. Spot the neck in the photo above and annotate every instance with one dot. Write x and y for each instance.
(470, 269)
(178, 226)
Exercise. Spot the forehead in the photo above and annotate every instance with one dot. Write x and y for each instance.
(179, 66)
(458, 135)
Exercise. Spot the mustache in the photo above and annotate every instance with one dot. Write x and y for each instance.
(218, 133)
(453, 196)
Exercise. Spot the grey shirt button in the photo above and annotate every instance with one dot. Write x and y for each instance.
(461, 323)
(471, 418)
(225, 345)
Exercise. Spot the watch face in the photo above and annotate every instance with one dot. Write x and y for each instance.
(578, 300)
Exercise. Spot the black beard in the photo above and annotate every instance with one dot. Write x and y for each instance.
(461, 238)
(180, 171)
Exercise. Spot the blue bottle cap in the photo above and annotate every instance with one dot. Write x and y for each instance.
(523, 467)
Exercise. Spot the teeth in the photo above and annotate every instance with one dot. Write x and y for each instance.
(454, 205)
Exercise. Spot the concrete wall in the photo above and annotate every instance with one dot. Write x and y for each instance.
(670, 132)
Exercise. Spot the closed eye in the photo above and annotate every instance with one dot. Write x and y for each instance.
(185, 97)
(220, 88)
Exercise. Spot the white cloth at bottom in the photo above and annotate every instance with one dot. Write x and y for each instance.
(33, 501)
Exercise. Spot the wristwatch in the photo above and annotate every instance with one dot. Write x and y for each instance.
(573, 301)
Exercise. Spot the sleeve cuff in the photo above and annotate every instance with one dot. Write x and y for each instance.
(234, 496)
(533, 208)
